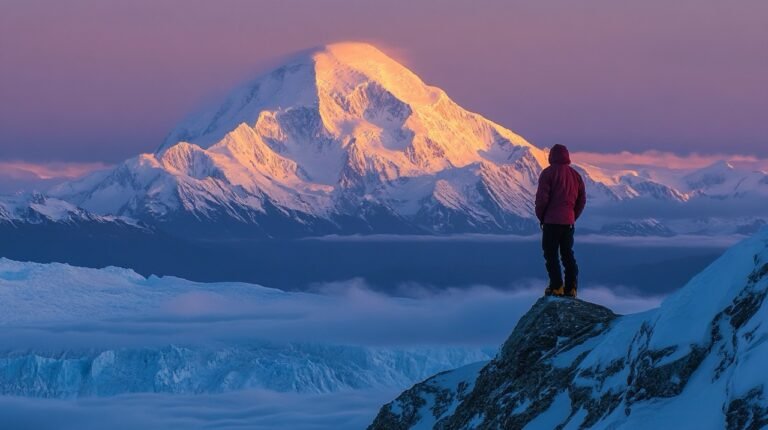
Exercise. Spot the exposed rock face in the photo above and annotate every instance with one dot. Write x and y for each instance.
(522, 375)
(698, 361)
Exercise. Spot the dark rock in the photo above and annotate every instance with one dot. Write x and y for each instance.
(748, 412)
(523, 372)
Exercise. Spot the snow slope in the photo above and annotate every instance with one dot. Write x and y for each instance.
(697, 361)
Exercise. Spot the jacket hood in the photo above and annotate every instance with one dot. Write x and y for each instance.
(559, 155)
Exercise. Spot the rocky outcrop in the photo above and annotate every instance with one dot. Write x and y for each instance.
(522, 378)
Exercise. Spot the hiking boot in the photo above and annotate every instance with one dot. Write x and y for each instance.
(552, 291)
(570, 288)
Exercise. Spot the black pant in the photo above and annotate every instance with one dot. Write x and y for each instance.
(560, 237)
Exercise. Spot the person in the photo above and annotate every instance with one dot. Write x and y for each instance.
(560, 200)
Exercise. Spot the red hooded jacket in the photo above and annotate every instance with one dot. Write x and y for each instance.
(561, 196)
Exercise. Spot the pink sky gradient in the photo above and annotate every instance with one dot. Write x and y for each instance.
(19, 176)
(98, 81)
(669, 160)
(49, 170)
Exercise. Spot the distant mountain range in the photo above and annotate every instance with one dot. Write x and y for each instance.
(345, 140)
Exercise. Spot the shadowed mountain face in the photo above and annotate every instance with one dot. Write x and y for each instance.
(695, 362)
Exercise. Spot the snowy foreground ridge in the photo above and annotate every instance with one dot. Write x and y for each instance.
(343, 139)
(68, 332)
(696, 362)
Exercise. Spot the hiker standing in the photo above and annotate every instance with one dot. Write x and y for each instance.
(560, 200)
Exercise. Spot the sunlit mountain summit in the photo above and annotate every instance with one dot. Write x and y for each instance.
(341, 138)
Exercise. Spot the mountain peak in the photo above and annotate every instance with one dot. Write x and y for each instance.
(712, 175)
(351, 51)
(344, 51)
(349, 45)
(333, 61)
(720, 165)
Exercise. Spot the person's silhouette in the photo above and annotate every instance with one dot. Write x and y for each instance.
(560, 200)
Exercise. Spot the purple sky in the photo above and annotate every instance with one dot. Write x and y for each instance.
(99, 81)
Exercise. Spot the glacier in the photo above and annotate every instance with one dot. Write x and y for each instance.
(193, 369)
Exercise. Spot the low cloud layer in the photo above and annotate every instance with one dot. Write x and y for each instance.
(252, 410)
(347, 313)
(27, 176)
(94, 309)
(625, 159)
(89, 308)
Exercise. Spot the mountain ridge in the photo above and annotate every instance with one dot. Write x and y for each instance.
(343, 139)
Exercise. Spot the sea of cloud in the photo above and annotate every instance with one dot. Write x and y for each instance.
(95, 309)
(252, 410)
(679, 241)
(62, 305)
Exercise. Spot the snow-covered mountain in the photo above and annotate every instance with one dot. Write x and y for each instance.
(343, 139)
(339, 139)
(719, 199)
(36, 209)
(697, 361)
